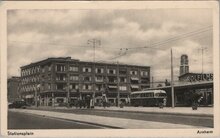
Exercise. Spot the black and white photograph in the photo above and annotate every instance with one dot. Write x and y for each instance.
(102, 68)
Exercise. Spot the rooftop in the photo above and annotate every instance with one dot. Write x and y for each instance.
(76, 60)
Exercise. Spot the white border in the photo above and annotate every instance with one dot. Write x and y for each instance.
(4, 6)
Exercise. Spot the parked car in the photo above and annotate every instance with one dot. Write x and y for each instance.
(18, 104)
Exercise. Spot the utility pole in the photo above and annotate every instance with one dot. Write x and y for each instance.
(94, 44)
(152, 85)
(118, 80)
(202, 49)
(172, 88)
(118, 93)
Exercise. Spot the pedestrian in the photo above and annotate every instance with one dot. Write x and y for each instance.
(164, 102)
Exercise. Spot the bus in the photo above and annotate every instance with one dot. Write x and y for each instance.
(148, 98)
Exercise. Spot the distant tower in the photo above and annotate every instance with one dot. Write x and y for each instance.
(184, 65)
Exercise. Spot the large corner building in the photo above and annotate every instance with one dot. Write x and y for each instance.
(57, 81)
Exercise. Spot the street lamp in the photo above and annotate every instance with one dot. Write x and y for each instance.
(36, 95)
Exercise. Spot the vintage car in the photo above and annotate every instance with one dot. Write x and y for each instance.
(18, 104)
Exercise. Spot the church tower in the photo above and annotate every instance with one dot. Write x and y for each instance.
(184, 65)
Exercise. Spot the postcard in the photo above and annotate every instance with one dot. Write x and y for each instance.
(110, 68)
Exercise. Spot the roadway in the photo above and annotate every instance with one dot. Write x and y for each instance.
(18, 120)
(167, 118)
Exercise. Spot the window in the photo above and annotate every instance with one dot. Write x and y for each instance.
(87, 78)
(133, 72)
(111, 71)
(122, 88)
(31, 71)
(123, 79)
(49, 86)
(60, 67)
(87, 69)
(35, 70)
(74, 68)
(112, 79)
(99, 70)
(61, 77)
(49, 76)
(98, 87)
(38, 69)
(42, 86)
(99, 78)
(74, 86)
(60, 86)
(144, 73)
(87, 87)
(122, 72)
(49, 68)
(74, 77)
(38, 78)
(43, 70)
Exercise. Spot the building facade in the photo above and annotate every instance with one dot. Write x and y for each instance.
(56, 81)
(13, 88)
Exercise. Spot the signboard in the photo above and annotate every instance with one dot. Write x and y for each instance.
(200, 77)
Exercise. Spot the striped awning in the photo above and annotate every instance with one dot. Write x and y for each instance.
(134, 86)
(134, 78)
(112, 86)
(29, 96)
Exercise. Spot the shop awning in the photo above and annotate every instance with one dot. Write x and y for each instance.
(134, 78)
(29, 96)
(134, 86)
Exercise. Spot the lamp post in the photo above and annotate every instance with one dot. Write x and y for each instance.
(68, 83)
(36, 95)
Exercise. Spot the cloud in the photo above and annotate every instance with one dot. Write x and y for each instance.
(34, 35)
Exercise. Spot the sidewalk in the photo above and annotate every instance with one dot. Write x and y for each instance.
(201, 111)
(106, 121)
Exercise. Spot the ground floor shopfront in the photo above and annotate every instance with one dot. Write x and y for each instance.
(61, 98)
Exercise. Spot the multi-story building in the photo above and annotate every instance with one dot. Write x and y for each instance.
(13, 88)
(58, 80)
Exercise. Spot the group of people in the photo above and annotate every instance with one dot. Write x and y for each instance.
(88, 102)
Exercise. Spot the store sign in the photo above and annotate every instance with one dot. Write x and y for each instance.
(200, 77)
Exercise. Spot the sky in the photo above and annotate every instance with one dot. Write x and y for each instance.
(35, 35)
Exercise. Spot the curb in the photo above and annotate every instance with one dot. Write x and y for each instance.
(128, 111)
(167, 113)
